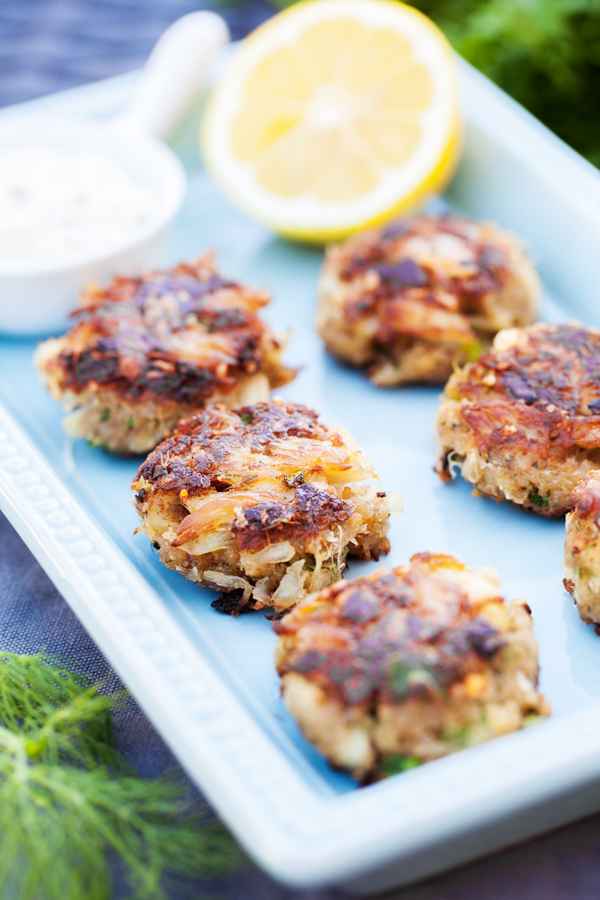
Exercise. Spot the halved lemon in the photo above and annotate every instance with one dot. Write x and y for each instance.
(334, 115)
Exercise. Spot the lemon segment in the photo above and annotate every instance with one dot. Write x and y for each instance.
(335, 115)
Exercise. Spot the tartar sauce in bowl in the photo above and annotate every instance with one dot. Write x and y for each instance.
(56, 205)
(80, 202)
(83, 200)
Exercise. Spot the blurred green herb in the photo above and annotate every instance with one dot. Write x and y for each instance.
(539, 500)
(393, 765)
(545, 53)
(473, 350)
(69, 802)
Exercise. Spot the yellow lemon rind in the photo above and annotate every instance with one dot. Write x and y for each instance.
(435, 181)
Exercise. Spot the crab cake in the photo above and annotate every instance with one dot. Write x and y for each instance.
(582, 548)
(264, 502)
(146, 351)
(385, 672)
(523, 422)
(410, 300)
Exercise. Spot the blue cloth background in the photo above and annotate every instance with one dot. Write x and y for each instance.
(50, 45)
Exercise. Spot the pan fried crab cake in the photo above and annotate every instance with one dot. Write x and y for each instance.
(411, 300)
(523, 422)
(264, 502)
(147, 351)
(385, 672)
(582, 548)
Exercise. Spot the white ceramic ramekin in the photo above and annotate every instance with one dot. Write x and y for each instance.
(36, 297)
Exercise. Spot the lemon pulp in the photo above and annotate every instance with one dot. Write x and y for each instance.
(333, 115)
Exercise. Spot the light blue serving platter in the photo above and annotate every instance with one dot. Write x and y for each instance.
(208, 681)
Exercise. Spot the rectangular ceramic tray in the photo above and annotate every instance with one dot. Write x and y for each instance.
(207, 681)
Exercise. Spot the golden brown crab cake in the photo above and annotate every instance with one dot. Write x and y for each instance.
(523, 422)
(582, 548)
(263, 502)
(144, 352)
(398, 668)
(410, 300)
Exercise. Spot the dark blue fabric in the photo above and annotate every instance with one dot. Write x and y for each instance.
(50, 45)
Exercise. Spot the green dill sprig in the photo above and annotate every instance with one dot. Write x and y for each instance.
(69, 801)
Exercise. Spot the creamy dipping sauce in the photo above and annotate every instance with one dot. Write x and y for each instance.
(57, 205)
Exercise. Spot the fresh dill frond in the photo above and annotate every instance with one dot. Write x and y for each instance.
(69, 801)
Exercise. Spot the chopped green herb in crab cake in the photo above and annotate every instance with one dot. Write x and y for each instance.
(523, 422)
(409, 300)
(386, 672)
(262, 503)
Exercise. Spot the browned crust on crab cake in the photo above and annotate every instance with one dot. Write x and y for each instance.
(401, 667)
(146, 351)
(523, 422)
(264, 501)
(582, 548)
(410, 300)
